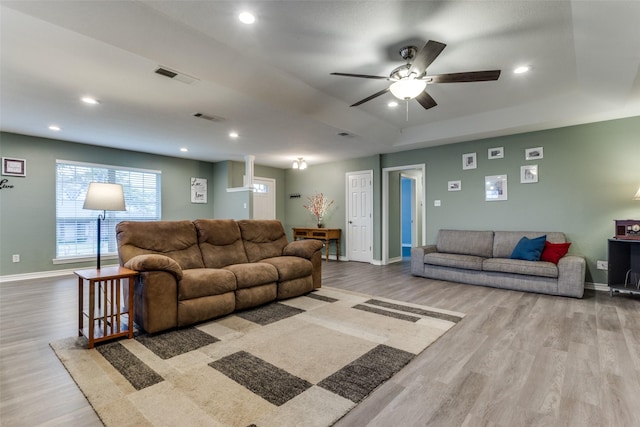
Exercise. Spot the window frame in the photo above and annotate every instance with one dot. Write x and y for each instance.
(78, 222)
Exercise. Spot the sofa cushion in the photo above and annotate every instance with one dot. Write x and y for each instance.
(464, 242)
(529, 249)
(253, 274)
(518, 266)
(220, 242)
(468, 262)
(504, 242)
(201, 282)
(256, 295)
(176, 239)
(290, 267)
(552, 252)
(262, 238)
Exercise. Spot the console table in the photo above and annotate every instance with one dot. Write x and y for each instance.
(107, 318)
(324, 234)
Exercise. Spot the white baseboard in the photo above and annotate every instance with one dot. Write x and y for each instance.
(601, 287)
(37, 275)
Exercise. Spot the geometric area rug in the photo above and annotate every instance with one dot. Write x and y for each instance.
(303, 361)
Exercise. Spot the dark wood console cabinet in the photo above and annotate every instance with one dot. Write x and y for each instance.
(624, 266)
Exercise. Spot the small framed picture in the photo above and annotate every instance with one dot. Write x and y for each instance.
(533, 153)
(528, 174)
(495, 187)
(495, 153)
(14, 167)
(469, 161)
(454, 186)
(198, 190)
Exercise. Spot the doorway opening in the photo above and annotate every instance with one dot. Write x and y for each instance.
(408, 214)
(393, 226)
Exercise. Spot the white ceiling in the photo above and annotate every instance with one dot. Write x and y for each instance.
(271, 83)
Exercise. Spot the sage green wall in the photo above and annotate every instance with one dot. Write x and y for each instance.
(229, 174)
(395, 220)
(330, 179)
(587, 178)
(27, 211)
(235, 204)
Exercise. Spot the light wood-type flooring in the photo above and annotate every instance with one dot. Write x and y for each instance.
(517, 359)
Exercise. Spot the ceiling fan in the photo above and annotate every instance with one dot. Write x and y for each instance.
(411, 79)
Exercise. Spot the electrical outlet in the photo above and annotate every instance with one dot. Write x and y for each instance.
(602, 265)
(16, 258)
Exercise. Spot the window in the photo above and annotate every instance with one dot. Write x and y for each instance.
(76, 227)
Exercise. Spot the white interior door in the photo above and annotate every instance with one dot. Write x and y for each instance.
(264, 198)
(359, 236)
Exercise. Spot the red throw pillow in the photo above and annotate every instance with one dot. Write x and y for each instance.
(552, 252)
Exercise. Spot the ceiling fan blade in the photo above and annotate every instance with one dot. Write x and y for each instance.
(369, 98)
(470, 76)
(426, 100)
(426, 56)
(362, 76)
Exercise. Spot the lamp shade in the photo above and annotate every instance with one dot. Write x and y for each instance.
(104, 197)
(407, 88)
(637, 196)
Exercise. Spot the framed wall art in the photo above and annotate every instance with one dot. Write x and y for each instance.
(14, 167)
(469, 161)
(528, 174)
(495, 188)
(198, 190)
(495, 153)
(533, 153)
(454, 185)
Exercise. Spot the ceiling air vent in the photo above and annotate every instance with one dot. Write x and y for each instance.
(175, 75)
(208, 117)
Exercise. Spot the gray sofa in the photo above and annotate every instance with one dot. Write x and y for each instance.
(483, 258)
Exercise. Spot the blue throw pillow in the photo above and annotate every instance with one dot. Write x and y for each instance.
(529, 249)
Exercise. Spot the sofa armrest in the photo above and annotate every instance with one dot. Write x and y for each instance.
(417, 258)
(571, 272)
(302, 248)
(154, 262)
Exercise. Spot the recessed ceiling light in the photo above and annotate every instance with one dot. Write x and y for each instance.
(247, 18)
(392, 104)
(54, 127)
(90, 100)
(184, 149)
(522, 69)
(233, 134)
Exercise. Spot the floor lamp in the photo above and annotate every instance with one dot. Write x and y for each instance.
(103, 197)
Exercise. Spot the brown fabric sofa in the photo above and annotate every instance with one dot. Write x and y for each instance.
(192, 271)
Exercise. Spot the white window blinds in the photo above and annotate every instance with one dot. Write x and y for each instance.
(76, 227)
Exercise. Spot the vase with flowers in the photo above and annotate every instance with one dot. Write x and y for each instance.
(318, 205)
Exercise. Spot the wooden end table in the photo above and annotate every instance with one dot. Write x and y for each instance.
(324, 234)
(107, 319)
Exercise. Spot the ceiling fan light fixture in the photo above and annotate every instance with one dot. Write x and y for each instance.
(407, 88)
(247, 18)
